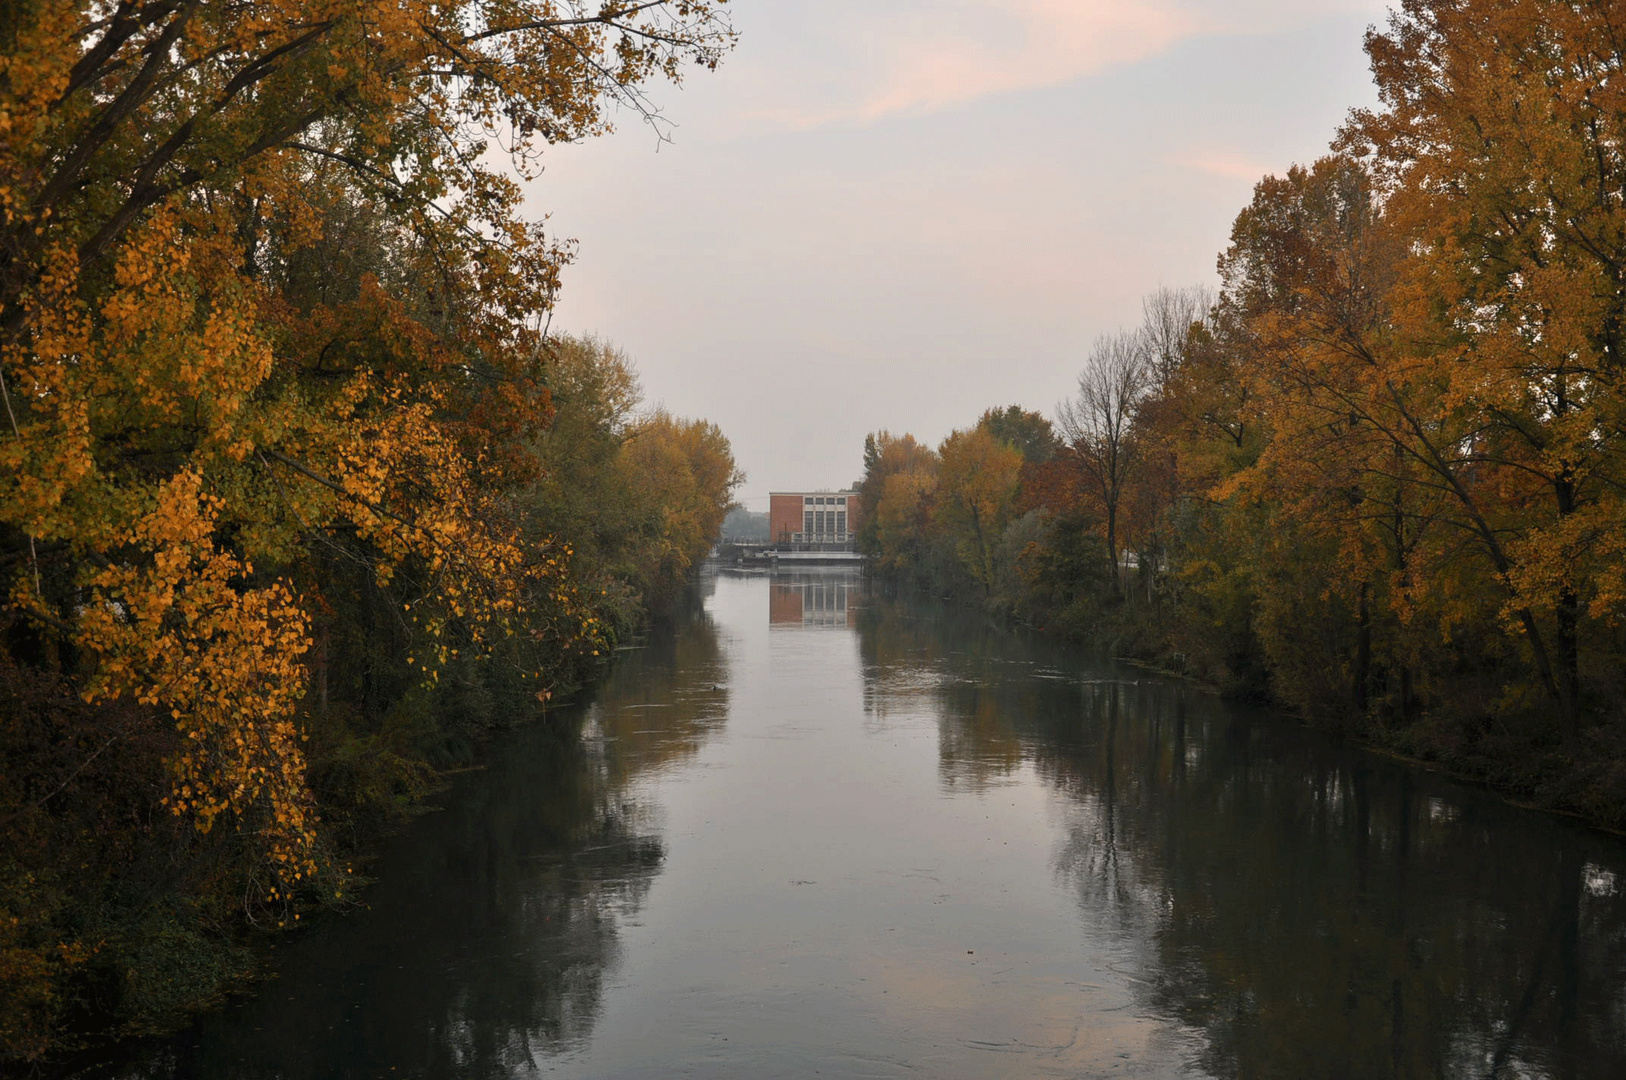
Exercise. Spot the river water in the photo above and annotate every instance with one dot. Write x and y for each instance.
(815, 831)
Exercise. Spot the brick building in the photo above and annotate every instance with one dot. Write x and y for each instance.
(813, 520)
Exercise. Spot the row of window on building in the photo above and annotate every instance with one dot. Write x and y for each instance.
(821, 522)
(825, 522)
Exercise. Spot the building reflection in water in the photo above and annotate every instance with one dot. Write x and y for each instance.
(814, 598)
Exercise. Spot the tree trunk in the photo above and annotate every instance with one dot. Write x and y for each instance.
(1402, 695)
(1363, 651)
(321, 670)
(1566, 639)
(1112, 543)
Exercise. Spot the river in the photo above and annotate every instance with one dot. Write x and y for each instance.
(812, 830)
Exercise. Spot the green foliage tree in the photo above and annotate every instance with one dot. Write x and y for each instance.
(1029, 433)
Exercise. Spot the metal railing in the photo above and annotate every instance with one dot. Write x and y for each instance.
(804, 541)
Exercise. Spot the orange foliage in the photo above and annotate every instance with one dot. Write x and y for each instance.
(183, 423)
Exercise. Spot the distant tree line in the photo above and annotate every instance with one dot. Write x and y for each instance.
(744, 525)
(297, 496)
(1379, 476)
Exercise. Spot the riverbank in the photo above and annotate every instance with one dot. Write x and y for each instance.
(1349, 477)
(1260, 597)
(1514, 796)
(297, 491)
(372, 792)
(124, 920)
(1531, 771)
(156, 939)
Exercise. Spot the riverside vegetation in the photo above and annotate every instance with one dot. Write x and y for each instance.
(1379, 476)
(297, 497)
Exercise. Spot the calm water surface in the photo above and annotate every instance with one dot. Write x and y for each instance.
(816, 832)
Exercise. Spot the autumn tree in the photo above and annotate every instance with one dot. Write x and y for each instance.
(158, 157)
(1498, 151)
(896, 496)
(1175, 323)
(1307, 293)
(1098, 423)
(905, 524)
(886, 455)
(1378, 475)
(1168, 318)
(269, 307)
(579, 494)
(681, 476)
(977, 485)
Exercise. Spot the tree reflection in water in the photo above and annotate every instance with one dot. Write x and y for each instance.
(494, 922)
(1311, 909)
(1177, 887)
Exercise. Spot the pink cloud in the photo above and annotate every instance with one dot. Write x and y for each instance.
(1224, 163)
(862, 62)
(916, 59)
(1045, 43)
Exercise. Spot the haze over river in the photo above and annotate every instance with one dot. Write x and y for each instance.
(816, 831)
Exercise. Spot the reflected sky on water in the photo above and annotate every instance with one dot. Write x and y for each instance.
(816, 830)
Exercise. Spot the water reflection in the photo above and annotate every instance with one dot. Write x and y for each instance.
(904, 842)
(1312, 911)
(667, 697)
(496, 922)
(814, 598)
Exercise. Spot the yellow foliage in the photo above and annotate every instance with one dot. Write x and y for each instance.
(183, 424)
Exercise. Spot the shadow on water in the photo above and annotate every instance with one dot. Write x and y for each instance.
(1307, 908)
(495, 922)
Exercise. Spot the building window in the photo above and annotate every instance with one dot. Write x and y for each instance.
(807, 522)
(808, 501)
(841, 521)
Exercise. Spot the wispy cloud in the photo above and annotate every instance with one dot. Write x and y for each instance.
(859, 62)
(1225, 163)
(915, 58)
(1044, 43)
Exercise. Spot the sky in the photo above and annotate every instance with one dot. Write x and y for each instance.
(899, 213)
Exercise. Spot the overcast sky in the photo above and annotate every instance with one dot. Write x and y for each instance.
(898, 213)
